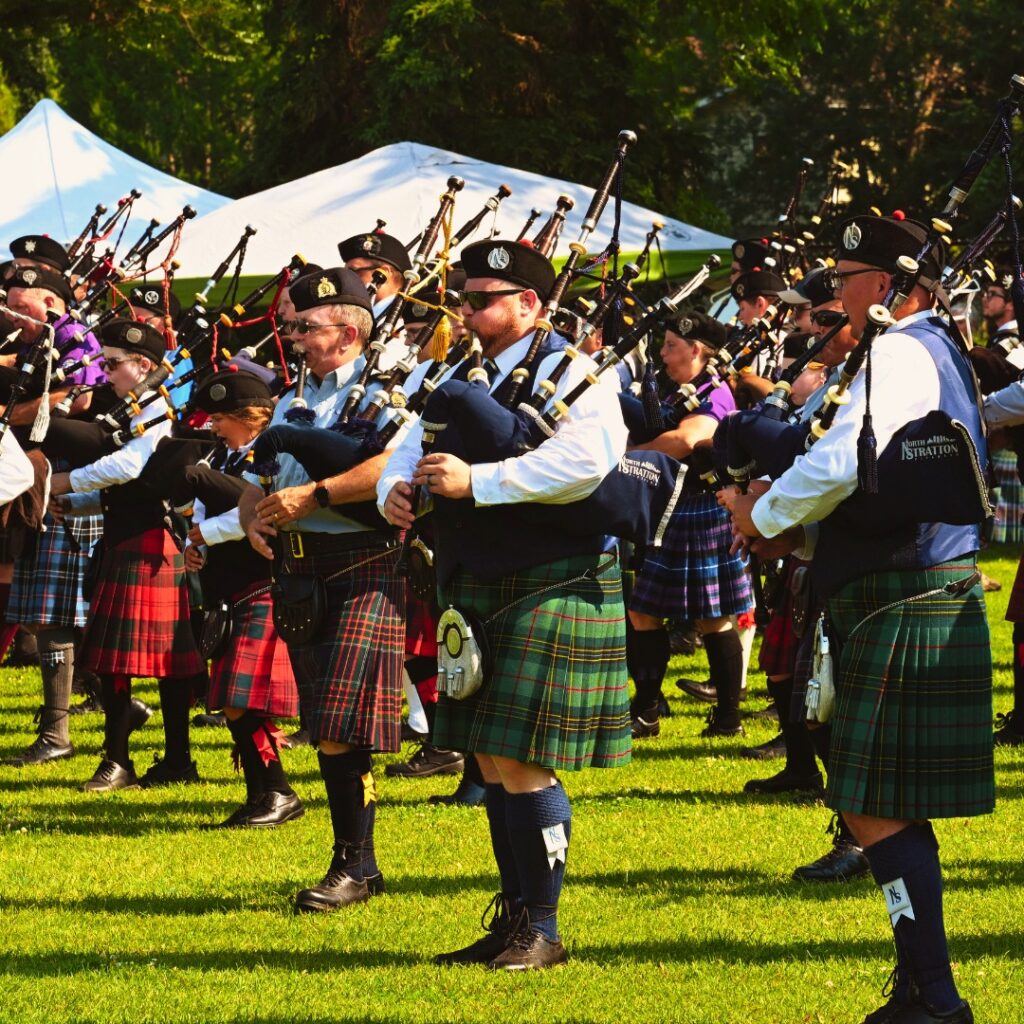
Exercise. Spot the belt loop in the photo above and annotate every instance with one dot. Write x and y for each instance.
(295, 546)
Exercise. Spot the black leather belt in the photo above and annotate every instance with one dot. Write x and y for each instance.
(297, 544)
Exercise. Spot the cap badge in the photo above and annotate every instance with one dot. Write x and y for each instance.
(685, 325)
(499, 259)
(738, 250)
(371, 245)
(418, 309)
(30, 246)
(1007, 281)
(29, 277)
(152, 297)
(739, 288)
(218, 392)
(133, 335)
(325, 288)
(851, 237)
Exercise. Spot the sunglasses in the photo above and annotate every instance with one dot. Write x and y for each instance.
(481, 300)
(834, 280)
(115, 361)
(302, 327)
(826, 317)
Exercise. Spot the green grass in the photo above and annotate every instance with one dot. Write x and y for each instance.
(678, 906)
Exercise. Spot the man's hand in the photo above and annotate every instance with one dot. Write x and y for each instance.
(195, 535)
(742, 517)
(287, 506)
(398, 506)
(257, 531)
(56, 510)
(60, 483)
(194, 558)
(778, 547)
(445, 475)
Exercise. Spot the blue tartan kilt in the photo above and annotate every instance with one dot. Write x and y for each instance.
(46, 589)
(692, 575)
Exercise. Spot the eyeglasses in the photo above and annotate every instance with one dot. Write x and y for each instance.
(481, 300)
(990, 294)
(826, 317)
(834, 280)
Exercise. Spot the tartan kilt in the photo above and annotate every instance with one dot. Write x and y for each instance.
(350, 676)
(1015, 606)
(46, 588)
(912, 731)
(556, 695)
(254, 673)
(139, 617)
(779, 644)
(1008, 527)
(692, 575)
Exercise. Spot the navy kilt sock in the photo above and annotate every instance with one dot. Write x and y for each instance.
(504, 856)
(175, 703)
(116, 696)
(348, 779)
(1018, 676)
(647, 654)
(539, 830)
(906, 866)
(725, 666)
(242, 730)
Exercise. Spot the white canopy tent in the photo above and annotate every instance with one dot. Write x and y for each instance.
(401, 184)
(55, 171)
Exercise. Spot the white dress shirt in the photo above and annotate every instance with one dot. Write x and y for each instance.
(588, 444)
(16, 474)
(904, 387)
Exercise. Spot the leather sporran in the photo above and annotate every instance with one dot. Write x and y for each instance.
(463, 654)
(216, 630)
(300, 604)
(422, 574)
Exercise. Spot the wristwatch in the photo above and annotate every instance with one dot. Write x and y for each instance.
(322, 496)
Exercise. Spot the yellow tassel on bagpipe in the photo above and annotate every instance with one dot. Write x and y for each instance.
(441, 340)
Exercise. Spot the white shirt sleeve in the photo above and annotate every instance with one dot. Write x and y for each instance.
(567, 467)
(227, 526)
(126, 463)
(818, 481)
(1005, 408)
(16, 473)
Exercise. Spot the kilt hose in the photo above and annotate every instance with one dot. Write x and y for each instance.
(139, 616)
(350, 676)
(912, 731)
(1015, 606)
(46, 588)
(692, 575)
(556, 695)
(254, 673)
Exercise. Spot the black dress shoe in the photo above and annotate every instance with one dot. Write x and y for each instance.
(716, 728)
(299, 738)
(337, 889)
(775, 747)
(1009, 729)
(375, 884)
(915, 1012)
(217, 720)
(42, 751)
(139, 713)
(530, 951)
(497, 922)
(785, 782)
(467, 794)
(164, 774)
(111, 776)
(428, 760)
(239, 817)
(843, 863)
(90, 706)
(702, 691)
(645, 726)
(275, 809)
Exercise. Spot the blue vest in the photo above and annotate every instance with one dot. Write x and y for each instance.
(495, 541)
(932, 495)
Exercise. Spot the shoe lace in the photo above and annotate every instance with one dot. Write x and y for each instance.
(498, 909)
(711, 717)
(1007, 720)
(520, 935)
(890, 983)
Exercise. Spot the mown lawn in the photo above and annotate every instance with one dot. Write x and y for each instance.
(679, 905)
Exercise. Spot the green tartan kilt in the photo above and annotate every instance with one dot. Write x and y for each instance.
(912, 731)
(556, 695)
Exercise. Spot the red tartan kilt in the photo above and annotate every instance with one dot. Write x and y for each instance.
(420, 628)
(139, 615)
(1015, 607)
(254, 673)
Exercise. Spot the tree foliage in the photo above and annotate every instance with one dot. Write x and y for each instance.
(241, 96)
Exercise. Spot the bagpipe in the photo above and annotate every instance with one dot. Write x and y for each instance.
(751, 444)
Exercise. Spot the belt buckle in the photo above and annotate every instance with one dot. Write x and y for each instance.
(295, 546)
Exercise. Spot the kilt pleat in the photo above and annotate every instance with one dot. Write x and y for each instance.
(692, 575)
(139, 617)
(557, 694)
(912, 732)
(254, 673)
(350, 677)
(46, 587)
